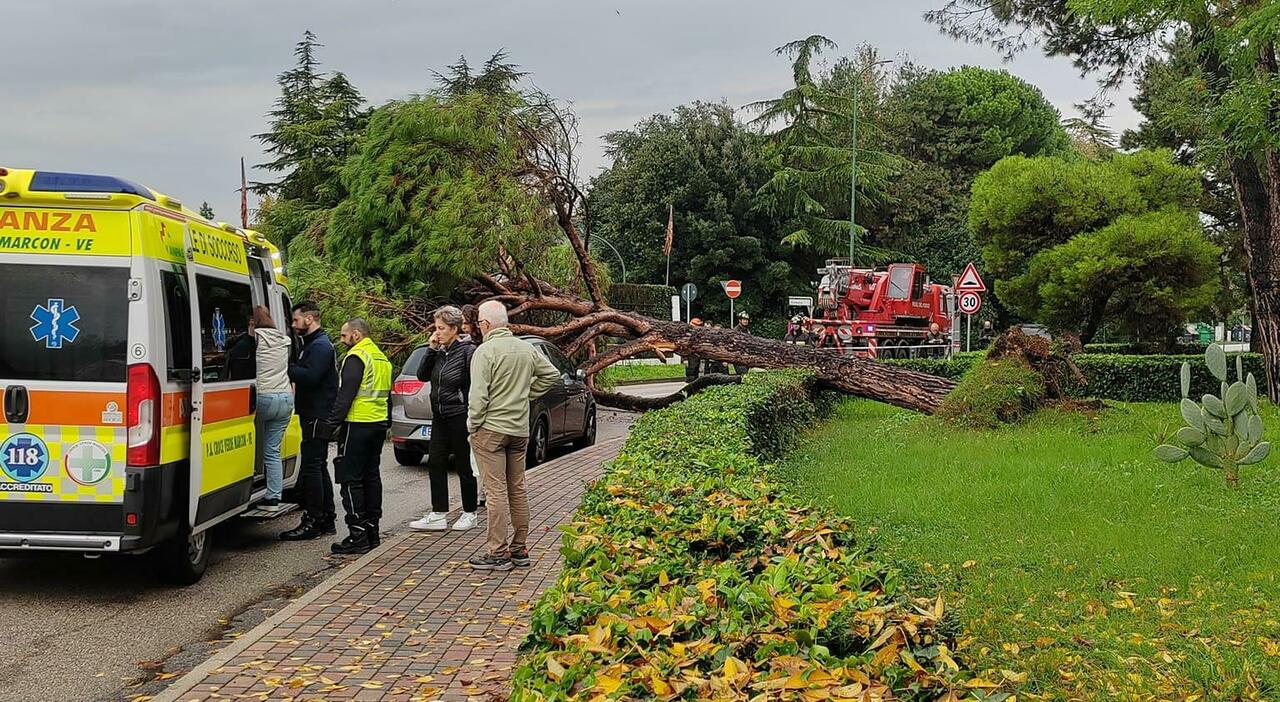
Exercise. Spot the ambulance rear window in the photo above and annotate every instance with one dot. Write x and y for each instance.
(63, 323)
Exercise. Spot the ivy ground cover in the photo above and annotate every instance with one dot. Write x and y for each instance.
(1078, 565)
(692, 574)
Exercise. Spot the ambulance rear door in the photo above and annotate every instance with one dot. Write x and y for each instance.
(223, 390)
(65, 296)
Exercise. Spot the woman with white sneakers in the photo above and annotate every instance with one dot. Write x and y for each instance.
(447, 367)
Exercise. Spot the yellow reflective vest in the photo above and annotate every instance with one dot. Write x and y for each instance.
(370, 404)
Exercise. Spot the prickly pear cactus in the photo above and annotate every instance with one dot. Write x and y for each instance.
(1223, 431)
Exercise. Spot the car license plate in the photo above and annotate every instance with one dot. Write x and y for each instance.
(423, 432)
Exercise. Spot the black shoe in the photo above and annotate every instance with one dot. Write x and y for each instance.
(329, 526)
(269, 503)
(356, 542)
(485, 561)
(520, 557)
(305, 531)
(371, 532)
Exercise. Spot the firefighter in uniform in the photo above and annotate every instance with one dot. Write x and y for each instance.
(361, 414)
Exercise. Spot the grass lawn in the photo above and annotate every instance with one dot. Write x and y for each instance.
(625, 375)
(1070, 555)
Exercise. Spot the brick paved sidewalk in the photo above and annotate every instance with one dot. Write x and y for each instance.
(409, 622)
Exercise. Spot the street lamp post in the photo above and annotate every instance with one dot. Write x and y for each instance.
(595, 237)
(853, 188)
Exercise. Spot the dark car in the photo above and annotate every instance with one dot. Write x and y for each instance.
(565, 415)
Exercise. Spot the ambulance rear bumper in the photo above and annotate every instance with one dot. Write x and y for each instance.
(60, 542)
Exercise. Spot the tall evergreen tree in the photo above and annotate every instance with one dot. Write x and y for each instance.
(814, 150)
(206, 211)
(314, 128)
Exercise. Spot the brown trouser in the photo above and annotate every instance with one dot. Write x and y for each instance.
(500, 458)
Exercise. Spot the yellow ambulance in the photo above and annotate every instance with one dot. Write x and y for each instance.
(128, 370)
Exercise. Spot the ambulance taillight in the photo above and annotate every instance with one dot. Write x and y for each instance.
(143, 399)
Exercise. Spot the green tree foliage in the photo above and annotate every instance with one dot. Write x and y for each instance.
(314, 127)
(1023, 206)
(1146, 273)
(206, 211)
(434, 190)
(950, 126)
(1229, 91)
(710, 168)
(812, 166)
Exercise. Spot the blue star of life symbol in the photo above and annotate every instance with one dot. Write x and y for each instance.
(24, 457)
(55, 323)
(219, 329)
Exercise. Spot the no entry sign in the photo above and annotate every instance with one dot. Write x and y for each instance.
(970, 302)
(732, 288)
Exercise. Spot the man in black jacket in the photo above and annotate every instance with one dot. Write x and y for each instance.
(315, 377)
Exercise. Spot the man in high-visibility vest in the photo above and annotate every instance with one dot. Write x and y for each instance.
(361, 413)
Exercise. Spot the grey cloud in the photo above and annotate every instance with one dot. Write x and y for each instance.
(170, 93)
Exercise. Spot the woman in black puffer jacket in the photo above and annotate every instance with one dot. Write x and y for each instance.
(447, 367)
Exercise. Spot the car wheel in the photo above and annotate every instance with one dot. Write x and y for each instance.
(537, 444)
(588, 436)
(407, 457)
(183, 560)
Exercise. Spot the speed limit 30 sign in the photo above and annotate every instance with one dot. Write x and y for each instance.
(970, 302)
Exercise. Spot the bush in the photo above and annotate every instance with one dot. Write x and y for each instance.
(690, 572)
(1116, 376)
(1142, 349)
(995, 393)
(1151, 378)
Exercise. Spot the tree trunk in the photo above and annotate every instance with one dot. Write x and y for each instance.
(1258, 195)
(878, 381)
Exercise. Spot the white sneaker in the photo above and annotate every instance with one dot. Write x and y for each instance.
(466, 521)
(433, 521)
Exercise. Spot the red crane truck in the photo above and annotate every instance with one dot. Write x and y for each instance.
(881, 313)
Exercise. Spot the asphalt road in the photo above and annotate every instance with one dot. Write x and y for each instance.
(77, 629)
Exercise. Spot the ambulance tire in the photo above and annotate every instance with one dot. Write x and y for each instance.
(184, 558)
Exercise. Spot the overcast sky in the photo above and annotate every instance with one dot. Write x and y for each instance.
(169, 93)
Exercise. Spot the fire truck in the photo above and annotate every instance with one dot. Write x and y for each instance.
(881, 313)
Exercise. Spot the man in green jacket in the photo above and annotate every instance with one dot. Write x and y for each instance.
(506, 373)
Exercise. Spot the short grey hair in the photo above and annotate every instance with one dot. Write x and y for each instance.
(450, 315)
(495, 313)
(358, 324)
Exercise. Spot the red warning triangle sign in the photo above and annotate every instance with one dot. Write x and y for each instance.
(970, 280)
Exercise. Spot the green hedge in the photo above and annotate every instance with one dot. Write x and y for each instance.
(1118, 377)
(691, 573)
(1140, 349)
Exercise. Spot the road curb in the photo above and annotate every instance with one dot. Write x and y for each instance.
(224, 656)
(183, 685)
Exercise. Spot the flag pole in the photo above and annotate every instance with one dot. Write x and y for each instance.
(671, 212)
(244, 197)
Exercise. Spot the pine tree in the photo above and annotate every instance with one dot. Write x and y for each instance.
(206, 211)
(316, 120)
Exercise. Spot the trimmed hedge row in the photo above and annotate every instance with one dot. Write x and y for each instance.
(1118, 377)
(690, 573)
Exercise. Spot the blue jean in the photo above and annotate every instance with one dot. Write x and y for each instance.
(274, 411)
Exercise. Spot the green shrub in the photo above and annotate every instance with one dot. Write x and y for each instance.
(1130, 348)
(1150, 378)
(1120, 377)
(993, 394)
(692, 573)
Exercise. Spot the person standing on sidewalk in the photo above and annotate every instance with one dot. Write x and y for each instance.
(315, 378)
(275, 398)
(506, 373)
(744, 326)
(361, 412)
(447, 367)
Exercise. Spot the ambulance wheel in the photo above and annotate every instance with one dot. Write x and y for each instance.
(183, 560)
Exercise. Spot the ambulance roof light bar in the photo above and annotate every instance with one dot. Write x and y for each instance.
(54, 182)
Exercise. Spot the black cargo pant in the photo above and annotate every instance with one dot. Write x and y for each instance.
(449, 448)
(314, 483)
(357, 469)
